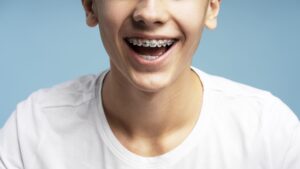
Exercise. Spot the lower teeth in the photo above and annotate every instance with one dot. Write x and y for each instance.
(150, 58)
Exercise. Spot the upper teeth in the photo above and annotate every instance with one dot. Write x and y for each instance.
(150, 43)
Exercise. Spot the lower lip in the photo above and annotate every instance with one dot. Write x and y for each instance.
(161, 60)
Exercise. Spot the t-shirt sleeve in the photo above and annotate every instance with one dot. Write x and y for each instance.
(14, 136)
(292, 157)
(284, 132)
(10, 152)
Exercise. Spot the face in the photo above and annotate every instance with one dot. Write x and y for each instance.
(150, 43)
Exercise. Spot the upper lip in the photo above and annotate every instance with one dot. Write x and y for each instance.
(149, 36)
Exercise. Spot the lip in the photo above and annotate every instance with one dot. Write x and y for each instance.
(150, 64)
(151, 36)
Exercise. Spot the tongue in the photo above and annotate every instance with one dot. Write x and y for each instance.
(150, 51)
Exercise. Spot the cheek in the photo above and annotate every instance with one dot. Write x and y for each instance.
(189, 15)
(191, 28)
(112, 14)
(110, 22)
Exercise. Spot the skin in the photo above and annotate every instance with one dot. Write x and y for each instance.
(147, 106)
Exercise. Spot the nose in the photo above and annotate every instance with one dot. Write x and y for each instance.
(150, 13)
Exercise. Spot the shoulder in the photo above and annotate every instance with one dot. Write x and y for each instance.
(265, 121)
(228, 91)
(226, 86)
(248, 106)
(69, 93)
(58, 104)
(237, 95)
(47, 115)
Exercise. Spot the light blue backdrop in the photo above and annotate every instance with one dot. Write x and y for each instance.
(44, 42)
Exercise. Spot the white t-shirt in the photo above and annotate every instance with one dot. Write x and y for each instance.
(65, 127)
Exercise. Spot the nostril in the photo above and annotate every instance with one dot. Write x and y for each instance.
(139, 24)
(150, 15)
(143, 24)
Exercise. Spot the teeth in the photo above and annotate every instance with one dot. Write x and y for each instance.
(139, 43)
(150, 43)
(150, 58)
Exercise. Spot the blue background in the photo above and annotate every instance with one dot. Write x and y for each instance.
(44, 42)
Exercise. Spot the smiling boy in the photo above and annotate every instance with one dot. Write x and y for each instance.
(151, 109)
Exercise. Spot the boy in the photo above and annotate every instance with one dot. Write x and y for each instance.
(151, 109)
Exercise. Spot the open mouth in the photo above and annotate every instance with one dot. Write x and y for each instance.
(150, 49)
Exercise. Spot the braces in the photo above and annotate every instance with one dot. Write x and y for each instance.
(151, 43)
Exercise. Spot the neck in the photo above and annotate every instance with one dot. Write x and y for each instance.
(153, 115)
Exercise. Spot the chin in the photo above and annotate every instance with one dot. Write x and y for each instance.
(150, 82)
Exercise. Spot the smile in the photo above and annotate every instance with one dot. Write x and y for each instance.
(150, 49)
